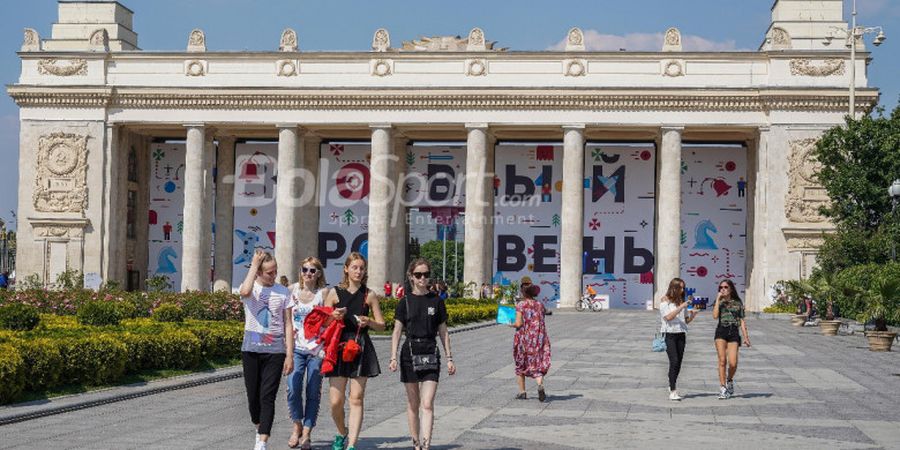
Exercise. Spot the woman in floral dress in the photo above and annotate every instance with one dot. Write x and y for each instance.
(531, 345)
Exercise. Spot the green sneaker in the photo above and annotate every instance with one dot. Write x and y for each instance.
(339, 442)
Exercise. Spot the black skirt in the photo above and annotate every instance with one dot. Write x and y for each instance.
(408, 375)
(365, 364)
(729, 334)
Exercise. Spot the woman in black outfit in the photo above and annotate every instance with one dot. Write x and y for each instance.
(423, 315)
(353, 301)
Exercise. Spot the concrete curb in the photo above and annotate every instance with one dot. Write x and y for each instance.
(42, 408)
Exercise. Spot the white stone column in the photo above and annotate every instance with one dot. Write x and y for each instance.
(380, 193)
(287, 211)
(668, 208)
(195, 258)
(224, 214)
(307, 228)
(399, 227)
(572, 230)
(757, 195)
(479, 193)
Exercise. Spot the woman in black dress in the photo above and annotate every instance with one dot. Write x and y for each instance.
(423, 315)
(353, 301)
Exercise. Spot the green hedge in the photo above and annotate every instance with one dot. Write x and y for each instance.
(60, 351)
(459, 311)
(99, 313)
(168, 313)
(19, 317)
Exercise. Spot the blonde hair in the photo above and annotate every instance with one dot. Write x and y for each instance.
(267, 258)
(354, 256)
(312, 260)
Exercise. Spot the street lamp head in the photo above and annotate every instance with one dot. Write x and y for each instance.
(880, 38)
(894, 190)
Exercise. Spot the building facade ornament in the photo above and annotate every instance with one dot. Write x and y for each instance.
(575, 40)
(673, 68)
(781, 39)
(475, 42)
(31, 41)
(195, 67)
(196, 41)
(672, 40)
(574, 68)
(286, 68)
(63, 68)
(805, 67)
(288, 41)
(99, 40)
(382, 67)
(381, 41)
(805, 196)
(60, 184)
(476, 67)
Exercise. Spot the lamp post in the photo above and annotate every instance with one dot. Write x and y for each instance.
(852, 34)
(894, 192)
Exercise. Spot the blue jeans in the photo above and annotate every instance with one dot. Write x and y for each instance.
(311, 367)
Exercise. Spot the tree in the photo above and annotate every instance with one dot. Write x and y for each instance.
(433, 251)
(859, 161)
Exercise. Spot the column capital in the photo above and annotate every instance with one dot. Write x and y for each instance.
(664, 128)
(764, 129)
(380, 126)
(573, 126)
(477, 126)
(194, 125)
(287, 125)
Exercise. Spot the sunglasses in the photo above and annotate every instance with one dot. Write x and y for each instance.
(308, 270)
(421, 274)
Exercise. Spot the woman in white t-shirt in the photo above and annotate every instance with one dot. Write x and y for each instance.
(267, 320)
(306, 294)
(674, 325)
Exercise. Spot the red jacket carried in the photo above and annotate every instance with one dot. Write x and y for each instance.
(313, 326)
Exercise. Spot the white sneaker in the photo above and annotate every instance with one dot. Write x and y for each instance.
(257, 438)
(260, 445)
(673, 395)
(723, 393)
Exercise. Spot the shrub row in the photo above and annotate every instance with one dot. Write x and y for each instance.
(459, 311)
(60, 351)
(195, 305)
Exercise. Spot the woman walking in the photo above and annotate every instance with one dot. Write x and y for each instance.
(352, 301)
(423, 316)
(267, 320)
(531, 345)
(674, 326)
(307, 294)
(729, 310)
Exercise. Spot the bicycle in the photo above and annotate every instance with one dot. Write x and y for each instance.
(589, 301)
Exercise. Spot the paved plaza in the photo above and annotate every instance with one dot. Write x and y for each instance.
(794, 389)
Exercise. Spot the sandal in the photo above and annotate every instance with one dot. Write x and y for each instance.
(415, 444)
(306, 444)
(522, 396)
(294, 441)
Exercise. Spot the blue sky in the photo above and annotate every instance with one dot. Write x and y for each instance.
(348, 25)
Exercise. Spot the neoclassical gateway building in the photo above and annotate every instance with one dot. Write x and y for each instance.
(619, 170)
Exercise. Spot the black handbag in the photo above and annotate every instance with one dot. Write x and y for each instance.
(424, 354)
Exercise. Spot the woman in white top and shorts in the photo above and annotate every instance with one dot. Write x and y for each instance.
(674, 325)
(306, 294)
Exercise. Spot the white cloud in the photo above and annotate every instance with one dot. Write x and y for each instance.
(652, 42)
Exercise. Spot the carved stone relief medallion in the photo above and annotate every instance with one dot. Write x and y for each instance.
(63, 68)
(805, 196)
(60, 184)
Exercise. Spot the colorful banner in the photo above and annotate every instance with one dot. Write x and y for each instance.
(344, 198)
(527, 207)
(713, 218)
(619, 207)
(254, 205)
(166, 212)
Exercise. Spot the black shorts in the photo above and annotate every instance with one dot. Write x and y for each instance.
(729, 334)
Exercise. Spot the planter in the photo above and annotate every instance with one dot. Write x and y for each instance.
(798, 319)
(830, 327)
(880, 341)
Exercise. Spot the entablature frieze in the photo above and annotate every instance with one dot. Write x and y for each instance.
(824, 100)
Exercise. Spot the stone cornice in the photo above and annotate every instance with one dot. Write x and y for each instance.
(825, 100)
